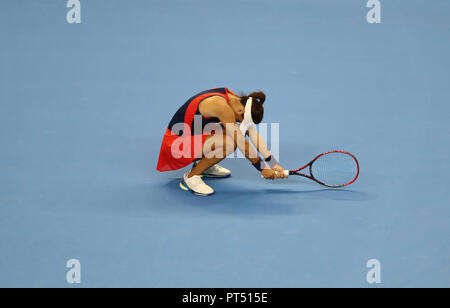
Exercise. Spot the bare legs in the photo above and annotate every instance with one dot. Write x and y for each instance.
(215, 149)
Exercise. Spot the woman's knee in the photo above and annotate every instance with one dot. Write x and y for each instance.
(219, 146)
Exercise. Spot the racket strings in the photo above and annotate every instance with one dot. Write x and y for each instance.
(335, 169)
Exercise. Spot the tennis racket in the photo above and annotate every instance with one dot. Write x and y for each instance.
(331, 169)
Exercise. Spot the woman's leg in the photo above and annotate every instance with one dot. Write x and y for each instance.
(215, 149)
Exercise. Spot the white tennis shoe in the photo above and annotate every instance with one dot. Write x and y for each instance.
(216, 171)
(196, 185)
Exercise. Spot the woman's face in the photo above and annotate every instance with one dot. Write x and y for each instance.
(238, 110)
(239, 113)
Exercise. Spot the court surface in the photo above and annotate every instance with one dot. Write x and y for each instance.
(83, 108)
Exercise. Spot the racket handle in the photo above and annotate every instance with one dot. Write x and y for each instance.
(286, 173)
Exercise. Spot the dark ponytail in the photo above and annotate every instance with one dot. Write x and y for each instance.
(257, 105)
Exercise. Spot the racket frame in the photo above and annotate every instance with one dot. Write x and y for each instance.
(311, 176)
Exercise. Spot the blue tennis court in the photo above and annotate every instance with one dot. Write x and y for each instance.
(83, 108)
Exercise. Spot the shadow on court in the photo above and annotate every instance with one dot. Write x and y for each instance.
(241, 200)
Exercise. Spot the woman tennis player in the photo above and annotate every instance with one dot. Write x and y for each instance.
(210, 126)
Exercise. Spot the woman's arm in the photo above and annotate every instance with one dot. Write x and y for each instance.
(218, 107)
(262, 148)
(258, 142)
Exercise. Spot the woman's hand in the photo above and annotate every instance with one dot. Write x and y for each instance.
(268, 174)
(279, 172)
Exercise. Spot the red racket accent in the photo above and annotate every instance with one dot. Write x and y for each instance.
(328, 170)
